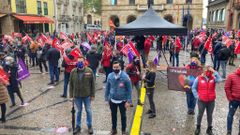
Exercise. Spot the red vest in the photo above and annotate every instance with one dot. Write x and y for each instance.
(206, 89)
(70, 64)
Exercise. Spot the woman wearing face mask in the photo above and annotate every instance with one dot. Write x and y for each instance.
(204, 90)
(12, 69)
(150, 86)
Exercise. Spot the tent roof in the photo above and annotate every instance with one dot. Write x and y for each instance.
(151, 24)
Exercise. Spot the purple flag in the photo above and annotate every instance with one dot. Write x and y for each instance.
(130, 56)
(23, 73)
(156, 59)
(228, 34)
(86, 45)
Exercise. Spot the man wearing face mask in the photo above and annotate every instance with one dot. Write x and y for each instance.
(82, 89)
(203, 89)
(232, 89)
(118, 93)
(134, 72)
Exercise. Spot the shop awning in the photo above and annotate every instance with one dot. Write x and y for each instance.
(27, 19)
(2, 15)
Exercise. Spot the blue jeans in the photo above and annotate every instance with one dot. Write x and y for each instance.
(233, 106)
(66, 81)
(53, 70)
(137, 86)
(203, 58)
(216, 63)
(175, 59)
(79, 101)
(191, 101)
(223, 64)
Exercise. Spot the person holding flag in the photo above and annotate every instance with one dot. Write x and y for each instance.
(69, 63)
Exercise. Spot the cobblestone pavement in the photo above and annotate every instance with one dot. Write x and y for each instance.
(47, 111)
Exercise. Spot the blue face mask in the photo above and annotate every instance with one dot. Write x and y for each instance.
(80, 65)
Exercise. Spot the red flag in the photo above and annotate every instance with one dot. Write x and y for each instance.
(63, 36)
(178, 42)
(238, 34)
(107, 49)
(43, 37)
(4, 77)
(26, 38)
(202, 36)
(237, 48)
(56, 44)
(8, 38)
(65, 45)
(214, 35)
(76, 52)
(208, 44)
(72, 36)
(226, 40)
(16, 35)
(125, 50)
(134, 50)
(89, 37)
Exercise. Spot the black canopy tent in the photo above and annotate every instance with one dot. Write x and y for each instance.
(151, 24)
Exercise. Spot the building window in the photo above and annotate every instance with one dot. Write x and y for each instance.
(21, 6)
(210, 16)
(39, 7)
(169, 1)
(113, 2)
(223, 15)
(217, 15)
(214, 16)
(45, 8)
(131, 2)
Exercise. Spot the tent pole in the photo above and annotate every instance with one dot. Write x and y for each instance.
(185, 47)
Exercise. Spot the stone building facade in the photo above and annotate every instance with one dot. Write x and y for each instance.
(124, 11)
(224, 14)
(69, 16)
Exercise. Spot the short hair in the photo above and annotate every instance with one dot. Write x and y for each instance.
(116, 62)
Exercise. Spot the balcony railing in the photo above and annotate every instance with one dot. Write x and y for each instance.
(236, 4)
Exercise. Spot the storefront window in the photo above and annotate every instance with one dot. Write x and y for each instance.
(169, 1)
(45, 8)
(21, 6)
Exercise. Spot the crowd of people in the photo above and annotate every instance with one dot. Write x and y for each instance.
(126, 64)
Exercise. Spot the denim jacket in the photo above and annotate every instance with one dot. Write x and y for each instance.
(118, 89)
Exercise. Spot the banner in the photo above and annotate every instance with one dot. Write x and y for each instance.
(23, 73)
(181, 78)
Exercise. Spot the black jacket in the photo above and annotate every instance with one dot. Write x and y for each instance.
(93, 58)
(53, 55)
(150, 79)
(224, 53)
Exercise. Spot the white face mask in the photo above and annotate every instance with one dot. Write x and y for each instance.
(7, 63)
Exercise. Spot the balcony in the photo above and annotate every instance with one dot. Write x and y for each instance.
(155, 7)
(236, 4)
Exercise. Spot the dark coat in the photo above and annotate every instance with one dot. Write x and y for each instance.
(93, 58)
(13, 76)
(53, 55)
(224, 53)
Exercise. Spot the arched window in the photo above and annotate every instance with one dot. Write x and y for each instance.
(169, 18)
(89, 19)
(113, 2)
(131, 18)
(223, 14)
(131, 2)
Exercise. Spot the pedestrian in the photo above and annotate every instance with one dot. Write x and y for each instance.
(118, 94)
(69, 63)
(82, 90)
(203, 89)
(147, 47)
(93, 58)
(106, 62)
(224, 55)
(134, 72)
(203, 52)
(216, 50)
(232, 89)
(191, 101)
(53, 56)
(33, 53)
(149, 80)
(117, 56)
(41, 60)
(232, 54)
(12, 69)
(3, 99)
